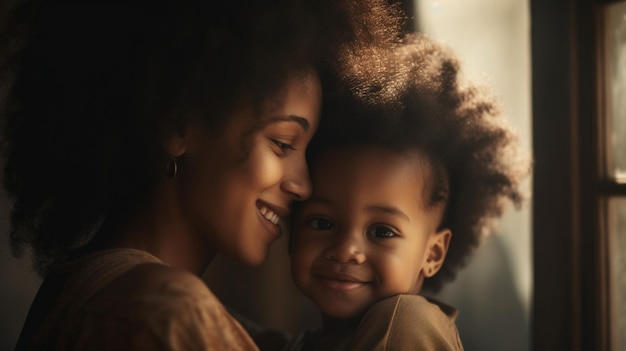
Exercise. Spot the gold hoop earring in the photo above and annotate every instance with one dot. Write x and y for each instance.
(171, 169)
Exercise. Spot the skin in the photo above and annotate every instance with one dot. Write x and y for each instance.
(233, 185)
(365, 233)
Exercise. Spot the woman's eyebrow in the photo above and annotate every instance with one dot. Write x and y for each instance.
(291, 118)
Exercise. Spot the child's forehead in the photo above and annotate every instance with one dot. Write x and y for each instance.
(366, 167)
(357, 155)
(360, 177)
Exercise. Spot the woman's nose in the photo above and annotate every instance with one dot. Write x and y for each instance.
(298, 189)
(347, 248)
(298, 183)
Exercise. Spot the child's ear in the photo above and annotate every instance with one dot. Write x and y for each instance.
(436, 251)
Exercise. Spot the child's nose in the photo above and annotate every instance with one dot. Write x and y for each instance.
(346, 248)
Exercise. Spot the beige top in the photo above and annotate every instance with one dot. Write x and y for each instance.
(126, 299)
(401, 322)
(408, 322)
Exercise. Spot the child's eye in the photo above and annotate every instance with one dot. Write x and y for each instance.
(284, 147)
(381, 232)
(320, 224)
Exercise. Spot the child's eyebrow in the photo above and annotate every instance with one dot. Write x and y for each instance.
(388, 209)
(290, 118)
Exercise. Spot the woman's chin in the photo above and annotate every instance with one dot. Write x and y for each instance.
(254, 258)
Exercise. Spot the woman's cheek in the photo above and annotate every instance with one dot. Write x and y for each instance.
(265, 169)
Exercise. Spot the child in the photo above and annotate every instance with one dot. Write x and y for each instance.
(401, 197)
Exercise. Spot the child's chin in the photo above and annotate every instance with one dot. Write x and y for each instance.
(343, 314)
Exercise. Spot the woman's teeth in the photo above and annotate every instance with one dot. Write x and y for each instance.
(269, 215)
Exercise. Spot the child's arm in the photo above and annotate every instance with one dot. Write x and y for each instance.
(407, 322)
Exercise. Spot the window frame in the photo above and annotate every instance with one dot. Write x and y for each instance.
(571, 307)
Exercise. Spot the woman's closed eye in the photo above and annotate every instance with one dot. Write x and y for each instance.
(381, 232)
(284, 148)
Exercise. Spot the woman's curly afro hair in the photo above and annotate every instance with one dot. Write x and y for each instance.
(90, 89)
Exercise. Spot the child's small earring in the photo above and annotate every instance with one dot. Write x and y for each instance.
(171, 169)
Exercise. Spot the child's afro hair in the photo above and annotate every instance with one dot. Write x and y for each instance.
(411, 96)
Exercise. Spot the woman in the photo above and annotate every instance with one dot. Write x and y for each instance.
(143, 140)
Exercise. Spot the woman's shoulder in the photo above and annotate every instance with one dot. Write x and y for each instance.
(152, 288)
(408, 322)
(155, 278)
(153, 305)
(116, 274)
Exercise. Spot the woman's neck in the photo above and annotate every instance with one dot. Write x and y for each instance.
(160, 229)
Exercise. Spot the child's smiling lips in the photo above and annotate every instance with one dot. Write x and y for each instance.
(341, 281)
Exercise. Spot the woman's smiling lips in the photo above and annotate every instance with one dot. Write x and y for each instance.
(270, 216)
(341, 282)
